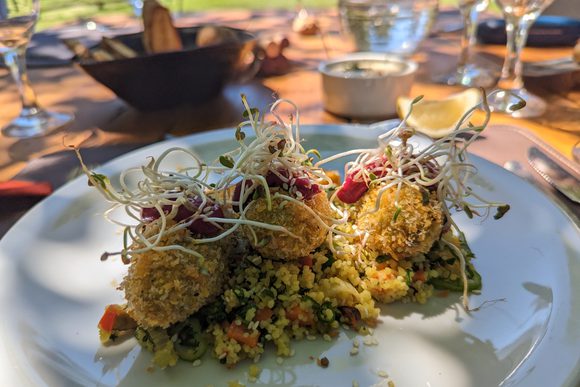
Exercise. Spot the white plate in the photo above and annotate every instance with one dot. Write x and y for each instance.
(53, 289)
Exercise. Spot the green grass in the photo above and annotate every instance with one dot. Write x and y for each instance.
(55, 12)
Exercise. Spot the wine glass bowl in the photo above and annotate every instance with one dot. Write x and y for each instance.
(505, 100)
(469, 74)
(576, 152)
(17, 21)
(526, 10)
(16, 31)
(519, 16)
(395, 27)
(137, 7)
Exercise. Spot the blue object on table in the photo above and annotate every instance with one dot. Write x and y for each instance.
(547, 31)
(47, 50)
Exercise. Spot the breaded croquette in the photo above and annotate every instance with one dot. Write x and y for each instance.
(411, 231)
(164, 287)
(296, 219)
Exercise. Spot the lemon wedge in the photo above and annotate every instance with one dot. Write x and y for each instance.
(438, 118)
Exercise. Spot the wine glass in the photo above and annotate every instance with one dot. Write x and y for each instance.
(17, 21)
(469, 74)
(137, 7)
(519, 16)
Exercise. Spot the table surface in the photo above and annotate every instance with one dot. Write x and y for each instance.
(102, 119)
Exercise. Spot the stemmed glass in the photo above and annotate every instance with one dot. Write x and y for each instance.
(468, 74)
(519, 16)
(137, 7)
(17, 21)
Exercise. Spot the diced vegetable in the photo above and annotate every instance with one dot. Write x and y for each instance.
(115, 323)
(305, 186)
(354, 188)
(351, 314)
(191, 353)
(107, 322)
(297, 313)
(306, 261)
(190, 343)
(243, 335)
(199, 226)
(214, 312)
(330, 260)
(238, 194)
(263, 314)
(326, 313)
(351, 190)
(419, 276)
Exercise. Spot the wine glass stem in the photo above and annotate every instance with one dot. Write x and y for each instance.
(469, 13)
(517, 35)
(16, 62)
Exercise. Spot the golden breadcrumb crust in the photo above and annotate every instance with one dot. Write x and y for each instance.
(416, 228)
(297, 219)
(164, 287)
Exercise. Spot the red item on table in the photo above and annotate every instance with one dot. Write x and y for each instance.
(24, 188)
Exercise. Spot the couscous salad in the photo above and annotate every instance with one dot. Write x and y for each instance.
(265, 246)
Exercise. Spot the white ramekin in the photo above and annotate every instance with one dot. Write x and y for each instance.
(371, 97)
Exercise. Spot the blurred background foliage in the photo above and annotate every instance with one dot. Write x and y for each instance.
(56, 12)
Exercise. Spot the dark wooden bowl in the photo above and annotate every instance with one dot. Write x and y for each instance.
(190, 76)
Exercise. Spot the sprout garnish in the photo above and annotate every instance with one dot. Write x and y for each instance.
(274, 164)
(395, 162)
(186, 197)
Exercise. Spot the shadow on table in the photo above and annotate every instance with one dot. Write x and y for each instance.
(89, 116)
(114, 122)
(108, 129)
(223, 111)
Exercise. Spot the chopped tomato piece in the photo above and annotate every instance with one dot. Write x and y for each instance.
(107, 322)
(242, 335)
(419, 276)
(381, 266)
(263, 314)
(296, 313)
(306, 261)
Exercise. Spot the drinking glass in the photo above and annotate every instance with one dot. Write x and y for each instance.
(391, 26)
(576, 152)
(469, 74)
(519, 16)
(17, 21)
(137, 7)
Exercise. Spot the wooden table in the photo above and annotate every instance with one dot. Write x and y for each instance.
(102, 119)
